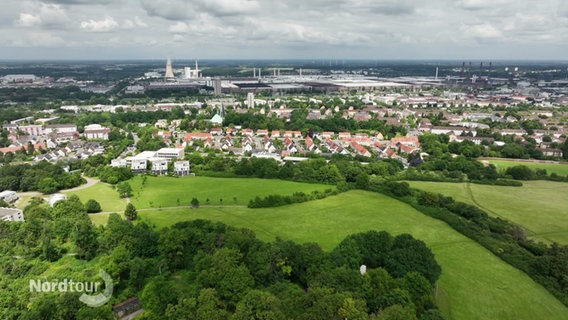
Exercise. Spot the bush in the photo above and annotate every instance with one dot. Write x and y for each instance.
(92, 206)
(520, 172)
(276, 200)
(500, 182)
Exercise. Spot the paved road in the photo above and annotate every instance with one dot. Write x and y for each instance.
(90, 182)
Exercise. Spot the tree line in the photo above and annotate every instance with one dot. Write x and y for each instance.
(43, 177)
(546, 264)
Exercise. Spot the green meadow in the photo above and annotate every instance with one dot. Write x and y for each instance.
(158, 192)
(474, 284)
(104, 194)
(558, 168)
(540, 207)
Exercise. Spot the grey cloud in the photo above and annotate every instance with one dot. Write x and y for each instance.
(228, 7)
(47, 16)
(81, 2)
(262, 28)
(476, 4)
(563, 9)
(173, 10)
(389, 7)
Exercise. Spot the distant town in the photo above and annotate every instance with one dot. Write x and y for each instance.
(384, 116)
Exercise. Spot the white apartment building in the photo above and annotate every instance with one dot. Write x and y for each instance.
(9, 214)
(181, 168)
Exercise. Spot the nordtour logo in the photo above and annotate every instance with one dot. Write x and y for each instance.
(87, 288)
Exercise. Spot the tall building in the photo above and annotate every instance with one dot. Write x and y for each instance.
(169, 70)
(217, 87)
(250, 99)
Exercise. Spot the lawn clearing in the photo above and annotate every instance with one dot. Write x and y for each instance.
(541, 207)
(159, 192)
(558, 168)
(104, 194)
(474, 284)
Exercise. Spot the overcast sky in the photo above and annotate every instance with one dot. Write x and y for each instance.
(313, 29)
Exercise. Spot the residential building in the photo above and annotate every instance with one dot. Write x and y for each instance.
(32, 130)
(162, 123)
(159, 166)
(96, 131)
(60, 128)
(197, 136)
(118, 163)
(10, 214)
(181, 168)
(138, 165)
(170, 153)
(8, 196)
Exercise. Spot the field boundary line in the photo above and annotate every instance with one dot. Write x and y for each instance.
(470, 192)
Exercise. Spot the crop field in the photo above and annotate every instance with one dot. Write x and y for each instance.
(474, 284)
(540, 207)
(159, 192)
(558, 168)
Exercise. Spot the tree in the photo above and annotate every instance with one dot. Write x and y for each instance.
(564, 148)
(520, 172)
(92, 206)
(209, 306)
(259, 305)
(47, 185)
(156, 296)
(124, 189)
(353, 309)
(71, 207)
(362, 181)
(85, 238)
(397, 312)
(130, 213)
(194, 203)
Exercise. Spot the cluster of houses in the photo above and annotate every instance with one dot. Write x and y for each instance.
(77, 149)
(282, 144)
(51, 137)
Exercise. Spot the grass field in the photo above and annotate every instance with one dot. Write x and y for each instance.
(541, 207)
(558, 168)
(474, 284)
(170, 192)
(104, 194)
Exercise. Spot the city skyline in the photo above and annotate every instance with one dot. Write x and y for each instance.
(249, 29)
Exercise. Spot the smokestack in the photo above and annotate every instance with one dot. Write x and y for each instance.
(436, 73)
(253, 72)
(490, 70)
